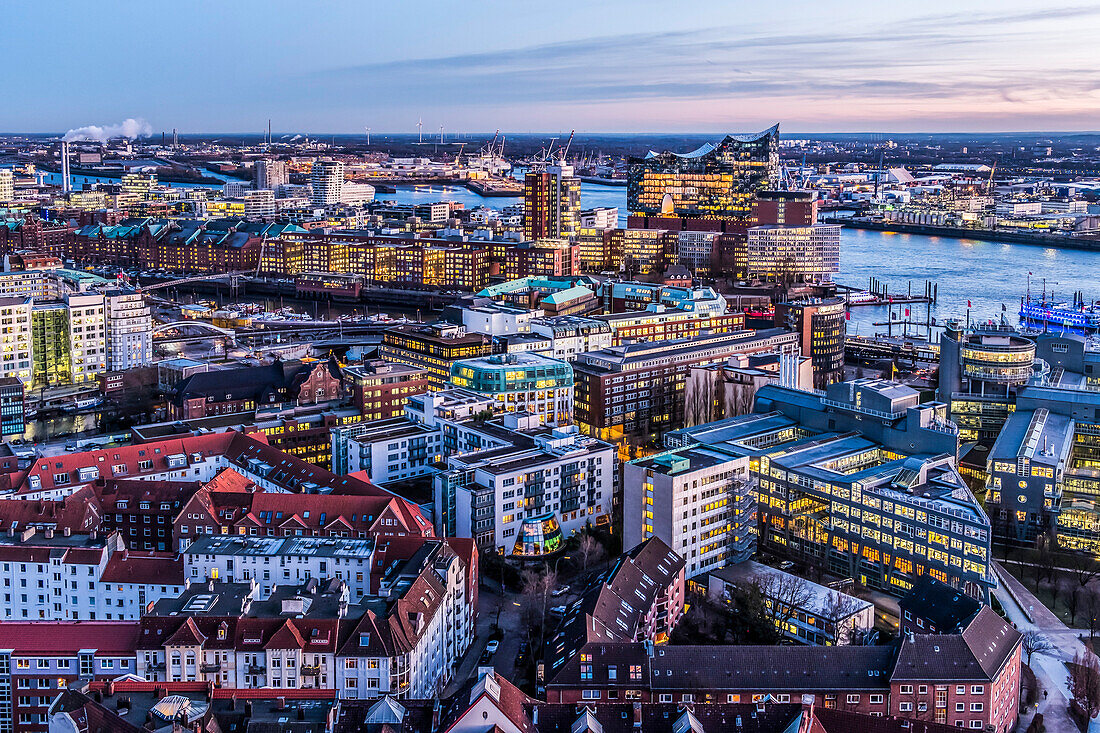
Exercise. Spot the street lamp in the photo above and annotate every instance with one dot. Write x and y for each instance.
(563, 557)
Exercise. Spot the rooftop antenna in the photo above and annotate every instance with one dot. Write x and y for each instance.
(269, 131)
(420, 129)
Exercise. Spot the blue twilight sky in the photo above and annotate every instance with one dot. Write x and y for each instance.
(615, 65)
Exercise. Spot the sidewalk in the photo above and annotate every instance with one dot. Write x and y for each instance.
(1049, 668)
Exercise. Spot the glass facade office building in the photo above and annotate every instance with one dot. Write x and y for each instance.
(715, 181)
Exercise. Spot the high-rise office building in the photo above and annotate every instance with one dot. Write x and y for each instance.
(716, 181)
(261, 204)
(129, 330)
(270, 174)
(552, 202)
(820, 325)
(12, 407)
(326, 182)
(789, 254)
(7, 185)
(15, 338)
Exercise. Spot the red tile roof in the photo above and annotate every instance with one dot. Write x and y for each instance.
(278, 510)
(187, 634)
(155, 630)
(129, 456)
(137, 567)
(68, 637)
(78, 512)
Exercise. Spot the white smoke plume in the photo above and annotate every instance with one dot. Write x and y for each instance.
(296, 137)
(128, 128)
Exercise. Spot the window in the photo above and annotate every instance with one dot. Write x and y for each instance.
(876, 699)
(665, 697)
(853, 698)
(907, 689)
(905, 707)
(960, 689)
(976, 707)
(960, 707)
(590, 694)
(977, 689)
(975, 724)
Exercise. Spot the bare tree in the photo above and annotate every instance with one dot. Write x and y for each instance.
(536, 588)
(784, 595)
(1091, 606)
(1084, 682)
(1046, 561)
(590, 550)
(1072, 594)
(1034, 642)
(699, 396)
(1083, 568)
(841, 606)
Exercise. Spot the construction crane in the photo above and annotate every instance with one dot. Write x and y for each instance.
(989, 183)
(567, 144)
(458, 155)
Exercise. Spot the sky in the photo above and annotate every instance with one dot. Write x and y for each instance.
(337, 66)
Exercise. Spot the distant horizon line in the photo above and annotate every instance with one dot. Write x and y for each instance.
(428, 137)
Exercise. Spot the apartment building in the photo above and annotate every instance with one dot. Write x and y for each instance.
(433, 348)
(129, 329)
(272, 561)
(658, 322)
(41, 659)
(639, 598)
(804, 612)
(527, 496)
(969, 680)
(699, 502)
(16, 343)
(381, 390)
(53, 576)
(403, 639)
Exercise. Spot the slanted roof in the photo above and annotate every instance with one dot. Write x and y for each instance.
(946, 609)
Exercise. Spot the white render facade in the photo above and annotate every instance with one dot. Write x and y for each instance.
(699, 502)
(48, 577)
(488, 494)
(129, 330)
(272, 561)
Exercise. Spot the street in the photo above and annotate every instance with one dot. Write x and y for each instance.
(504, 661)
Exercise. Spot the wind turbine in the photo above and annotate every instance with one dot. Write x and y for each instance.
(420, 129)
(368, 134)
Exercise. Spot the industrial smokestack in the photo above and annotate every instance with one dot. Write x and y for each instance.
(66, 182)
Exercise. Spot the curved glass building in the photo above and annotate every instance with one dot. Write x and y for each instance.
(521, 383)
(714, 181)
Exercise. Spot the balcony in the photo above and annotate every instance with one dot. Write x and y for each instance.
(210, 667)
(311, 670)
(255, 669)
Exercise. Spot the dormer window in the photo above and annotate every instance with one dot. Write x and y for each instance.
(364, 640)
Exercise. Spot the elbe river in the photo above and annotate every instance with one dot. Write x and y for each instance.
(988, 274)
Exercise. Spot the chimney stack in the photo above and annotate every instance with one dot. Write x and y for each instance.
(66, 179)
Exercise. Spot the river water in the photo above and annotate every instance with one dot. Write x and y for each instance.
(988, 274)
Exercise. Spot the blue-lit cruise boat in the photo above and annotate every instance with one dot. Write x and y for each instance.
(1045, 314)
